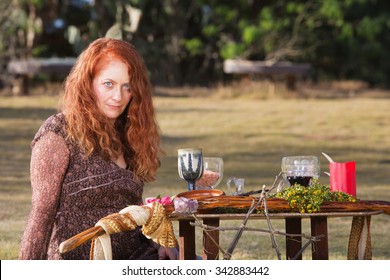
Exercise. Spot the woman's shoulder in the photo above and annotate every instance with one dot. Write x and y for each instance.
(55, 123)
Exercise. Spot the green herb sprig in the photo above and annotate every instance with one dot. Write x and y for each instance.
(309, 199)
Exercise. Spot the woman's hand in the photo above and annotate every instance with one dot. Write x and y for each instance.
(165, 253)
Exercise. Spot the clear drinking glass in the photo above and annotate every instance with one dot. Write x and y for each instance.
(300, 169)
(239, 184)
(212, 173)
(190, 165)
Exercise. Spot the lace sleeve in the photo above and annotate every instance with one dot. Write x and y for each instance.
(49, 161)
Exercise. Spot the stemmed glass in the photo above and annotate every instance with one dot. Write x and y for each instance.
(300, 169)
(212, 173)
(190, 165)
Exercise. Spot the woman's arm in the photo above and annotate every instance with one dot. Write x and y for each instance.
(49, 161)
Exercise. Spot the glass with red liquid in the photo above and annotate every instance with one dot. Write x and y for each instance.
(300, 169)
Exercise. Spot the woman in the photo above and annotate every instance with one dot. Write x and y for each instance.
(93, 158)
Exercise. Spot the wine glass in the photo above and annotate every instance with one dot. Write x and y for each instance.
(190, 165)
(300, 169)
(212, 173)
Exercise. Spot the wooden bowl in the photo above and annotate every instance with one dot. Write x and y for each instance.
(197, 194)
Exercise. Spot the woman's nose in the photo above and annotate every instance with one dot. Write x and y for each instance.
(117, 96)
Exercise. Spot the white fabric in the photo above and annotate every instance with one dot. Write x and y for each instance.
(102, 244)
(363, 240)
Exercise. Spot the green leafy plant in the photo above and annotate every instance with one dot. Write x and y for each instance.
(309, 199)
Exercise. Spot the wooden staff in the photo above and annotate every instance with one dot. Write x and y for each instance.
(81, 238)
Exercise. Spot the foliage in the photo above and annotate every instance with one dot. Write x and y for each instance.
(185, 42)
(341, 39)
(309, 199)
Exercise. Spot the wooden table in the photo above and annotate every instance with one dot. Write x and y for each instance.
(213, 209)
(26, 68)
(210, 251)
(290, 70)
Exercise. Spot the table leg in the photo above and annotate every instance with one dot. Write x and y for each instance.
(211, 240)
(319, 226)
(293, 244)
(186, 240)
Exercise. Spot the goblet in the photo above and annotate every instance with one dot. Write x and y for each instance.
(212, 173)
(190, 165)
(300, 169)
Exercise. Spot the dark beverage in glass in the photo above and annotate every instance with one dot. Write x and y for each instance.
(301, 180)
(300, 170)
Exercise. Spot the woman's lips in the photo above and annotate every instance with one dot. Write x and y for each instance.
(114, 107)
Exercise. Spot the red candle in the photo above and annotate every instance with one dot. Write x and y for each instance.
(343, 177)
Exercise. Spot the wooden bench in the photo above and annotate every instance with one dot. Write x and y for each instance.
(25, 69)
(291, 71)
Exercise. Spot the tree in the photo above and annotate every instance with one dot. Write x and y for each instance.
(186, 42)
(18, 28)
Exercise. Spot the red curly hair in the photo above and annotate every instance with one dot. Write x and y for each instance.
(136, 133)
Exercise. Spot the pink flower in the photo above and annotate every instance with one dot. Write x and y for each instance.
(165, 200)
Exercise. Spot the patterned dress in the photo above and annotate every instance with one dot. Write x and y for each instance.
(70, 193)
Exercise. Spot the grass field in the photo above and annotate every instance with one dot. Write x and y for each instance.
(252, 132)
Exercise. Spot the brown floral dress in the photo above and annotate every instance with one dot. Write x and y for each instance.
(71, 193)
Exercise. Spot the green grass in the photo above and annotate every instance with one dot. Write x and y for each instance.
(251, 133)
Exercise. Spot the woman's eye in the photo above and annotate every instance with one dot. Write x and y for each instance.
(126, 86)
(108, 84)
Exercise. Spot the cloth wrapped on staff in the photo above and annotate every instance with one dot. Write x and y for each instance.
(153, 219)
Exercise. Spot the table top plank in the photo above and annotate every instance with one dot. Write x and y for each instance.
(234, 204)
(235, 216)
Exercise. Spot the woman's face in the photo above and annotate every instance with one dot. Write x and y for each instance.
(111, 86)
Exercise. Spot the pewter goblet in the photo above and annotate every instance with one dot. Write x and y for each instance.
(190, 165)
